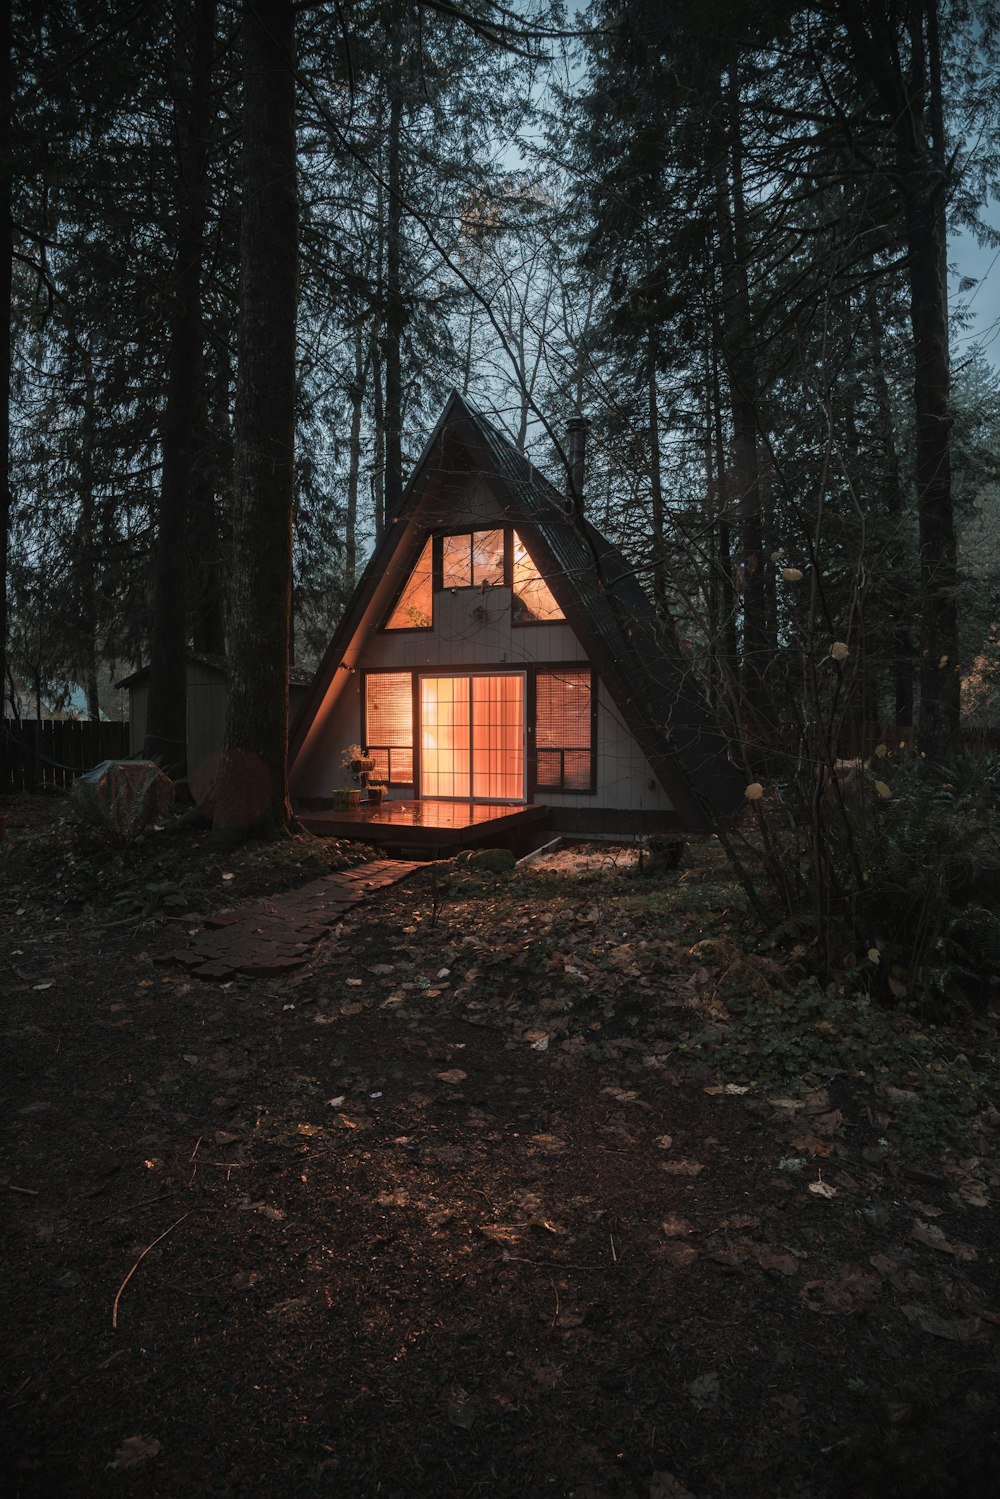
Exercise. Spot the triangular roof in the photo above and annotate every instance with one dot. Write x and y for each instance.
(632, 648)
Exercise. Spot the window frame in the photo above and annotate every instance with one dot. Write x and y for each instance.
(529, 624)
(437, 572)
(392, 671)
(555, 668)
(412, 629)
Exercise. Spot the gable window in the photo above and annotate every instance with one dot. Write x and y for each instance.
(389, 725)
(473, 560)
(534, 602)
(564, 731)
(415, 606)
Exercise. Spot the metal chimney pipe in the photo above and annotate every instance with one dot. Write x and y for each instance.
(576, 446)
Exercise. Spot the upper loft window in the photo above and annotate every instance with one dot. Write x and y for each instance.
(473, 560)
(415, 607)
(534, 602)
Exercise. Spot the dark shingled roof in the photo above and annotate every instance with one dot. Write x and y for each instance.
(633, 647)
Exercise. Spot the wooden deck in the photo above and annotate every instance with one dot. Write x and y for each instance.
(427, 824)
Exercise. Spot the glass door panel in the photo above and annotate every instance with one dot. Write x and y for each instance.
(498, 738)
(472, 736)
(445, 746)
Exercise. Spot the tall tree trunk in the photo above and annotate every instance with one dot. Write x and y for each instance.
(904, 72)
(741, 371)
(655, 476)
(901, 661)
(6, 284)
(209, 533)
(357, 395)
(394, 297)
(251, 793)
(87, 547)
(923, 182)
(166, 726)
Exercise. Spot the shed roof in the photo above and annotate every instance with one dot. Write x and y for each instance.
(298, 676)
(633, 646)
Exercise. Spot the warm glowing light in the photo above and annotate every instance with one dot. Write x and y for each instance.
(533, 598)
(472, 736)
(415, 609)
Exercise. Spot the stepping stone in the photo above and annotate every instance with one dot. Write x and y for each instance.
(214, 971)
(279, 933)
(266, 967)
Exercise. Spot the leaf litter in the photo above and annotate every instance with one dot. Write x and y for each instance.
(423, 1197)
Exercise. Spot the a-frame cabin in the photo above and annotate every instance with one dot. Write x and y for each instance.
(500, 664)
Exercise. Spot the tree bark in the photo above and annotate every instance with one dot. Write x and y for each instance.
(394, 313)
(741, 371)
(166, 727)
(251, 793)
(655, 476)
(904, 72)
(357, 396)
(6, 284)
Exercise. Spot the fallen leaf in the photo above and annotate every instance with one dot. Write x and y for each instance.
(664, 1142)
(678, 1256)
(810, 1145)
(704, 1390)
(682, 1168)
(135, 1450)
(309, 1129)
(954, 1329)
(454, 1075)
(931, 1235)
(791, 1405)
(666, 1486)
(548, 1142)
(501, 1233)
(822, 1189)
(676, 1227)
(776, 1264)
(852, 1289)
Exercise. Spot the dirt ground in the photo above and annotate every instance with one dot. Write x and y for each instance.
(495, 1198)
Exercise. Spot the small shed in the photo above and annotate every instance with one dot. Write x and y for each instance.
(207, 698)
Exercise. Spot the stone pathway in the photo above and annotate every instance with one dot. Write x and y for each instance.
(274, 935)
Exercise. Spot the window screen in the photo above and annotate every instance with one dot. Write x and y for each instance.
(389, 725)
(564, 749)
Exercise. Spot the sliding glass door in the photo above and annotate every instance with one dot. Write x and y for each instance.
(472, 736)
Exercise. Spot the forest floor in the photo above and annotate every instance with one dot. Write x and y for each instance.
(538, 1184)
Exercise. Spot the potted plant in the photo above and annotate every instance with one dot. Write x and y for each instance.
(376, 792)
(356, 760)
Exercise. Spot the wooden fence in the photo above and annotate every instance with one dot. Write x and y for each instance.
(53, 752)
